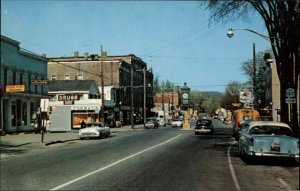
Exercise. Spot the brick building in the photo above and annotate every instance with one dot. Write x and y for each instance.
(123, 74)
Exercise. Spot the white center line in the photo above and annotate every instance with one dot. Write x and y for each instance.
(113, 164)
(231, 168)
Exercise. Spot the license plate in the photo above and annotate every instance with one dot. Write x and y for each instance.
(275, 148)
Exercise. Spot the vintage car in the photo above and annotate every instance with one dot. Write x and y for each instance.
(266, 138)
(94, 130)
(204, 126)
(177, 123)
(151, 123)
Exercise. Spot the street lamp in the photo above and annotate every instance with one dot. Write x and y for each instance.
(230, 35)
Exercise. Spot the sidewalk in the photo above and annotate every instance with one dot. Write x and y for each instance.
(26, 141)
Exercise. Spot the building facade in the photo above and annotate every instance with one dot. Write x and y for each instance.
(272, 87)
(20, 98)
(71, 102)
(122, 75)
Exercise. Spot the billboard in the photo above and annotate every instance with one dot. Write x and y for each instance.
(246, 96)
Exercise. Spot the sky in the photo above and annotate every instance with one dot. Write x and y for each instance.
(174, 38)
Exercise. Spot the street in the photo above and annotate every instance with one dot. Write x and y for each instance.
(156, 159)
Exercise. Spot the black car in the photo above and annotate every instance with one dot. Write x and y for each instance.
(204, 126)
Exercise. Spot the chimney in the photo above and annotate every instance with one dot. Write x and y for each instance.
(76, 54)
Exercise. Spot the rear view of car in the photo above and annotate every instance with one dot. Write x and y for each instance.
(271, 139)
(204, 126)
(177, 123)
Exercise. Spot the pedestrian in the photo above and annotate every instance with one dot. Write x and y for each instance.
(82, 124)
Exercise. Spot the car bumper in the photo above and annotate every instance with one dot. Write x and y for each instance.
(203, 130)
(272, 154)
(88, 135)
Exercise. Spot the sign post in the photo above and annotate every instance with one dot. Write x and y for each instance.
(290, 99)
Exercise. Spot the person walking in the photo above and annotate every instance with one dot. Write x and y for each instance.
(82, 124)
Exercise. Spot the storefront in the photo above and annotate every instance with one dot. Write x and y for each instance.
(19, 112)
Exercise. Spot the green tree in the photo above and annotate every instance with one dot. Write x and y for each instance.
(282, 20)
(232, 95)
(259, 88)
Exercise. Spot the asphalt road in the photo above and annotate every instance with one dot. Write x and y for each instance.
(155, 159)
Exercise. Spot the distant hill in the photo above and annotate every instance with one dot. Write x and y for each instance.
(216, 95)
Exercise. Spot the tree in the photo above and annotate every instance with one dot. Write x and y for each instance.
(232, 94)
(259, 88)
(282, 20)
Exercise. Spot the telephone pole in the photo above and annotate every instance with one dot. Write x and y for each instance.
(102, 87)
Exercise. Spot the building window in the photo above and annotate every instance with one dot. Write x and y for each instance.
(21, 78)
(29, 82)
(53, 77)
(79, 76)
(36, 87)
(67, 76)
(5, 77)
(14, 77)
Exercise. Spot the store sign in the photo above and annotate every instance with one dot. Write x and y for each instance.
(86, 108)
(15, 88)
(246, 96)
(68, 102)
(69, 97)
(39, 82)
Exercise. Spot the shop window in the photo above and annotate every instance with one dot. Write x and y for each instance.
(24, 113)
(13, 113)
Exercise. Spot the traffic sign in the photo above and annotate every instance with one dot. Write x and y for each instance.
(290, 92)
(290, 100)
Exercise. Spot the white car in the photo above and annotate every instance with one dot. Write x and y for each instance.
(266, 138)
(94, 130)
(177, 123)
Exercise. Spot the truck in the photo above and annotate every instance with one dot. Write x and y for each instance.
(161, 118)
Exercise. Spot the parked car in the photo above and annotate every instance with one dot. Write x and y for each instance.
(177, 123)
(266, 138)
(204, 126)
(151, 123)
(239, 118)
(94, 130)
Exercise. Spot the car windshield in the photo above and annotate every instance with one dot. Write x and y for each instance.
(203, 122)
(271, 130)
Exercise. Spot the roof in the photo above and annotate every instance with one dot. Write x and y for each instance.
(268, 123)
(71, 85)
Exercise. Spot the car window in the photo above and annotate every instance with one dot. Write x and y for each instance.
(271, 130)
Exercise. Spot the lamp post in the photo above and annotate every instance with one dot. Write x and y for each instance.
(230, 35)
(144, 99)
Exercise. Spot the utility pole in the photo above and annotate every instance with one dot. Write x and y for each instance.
(254, 78)
(131, 85)
(102, 87)
(144, 108)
